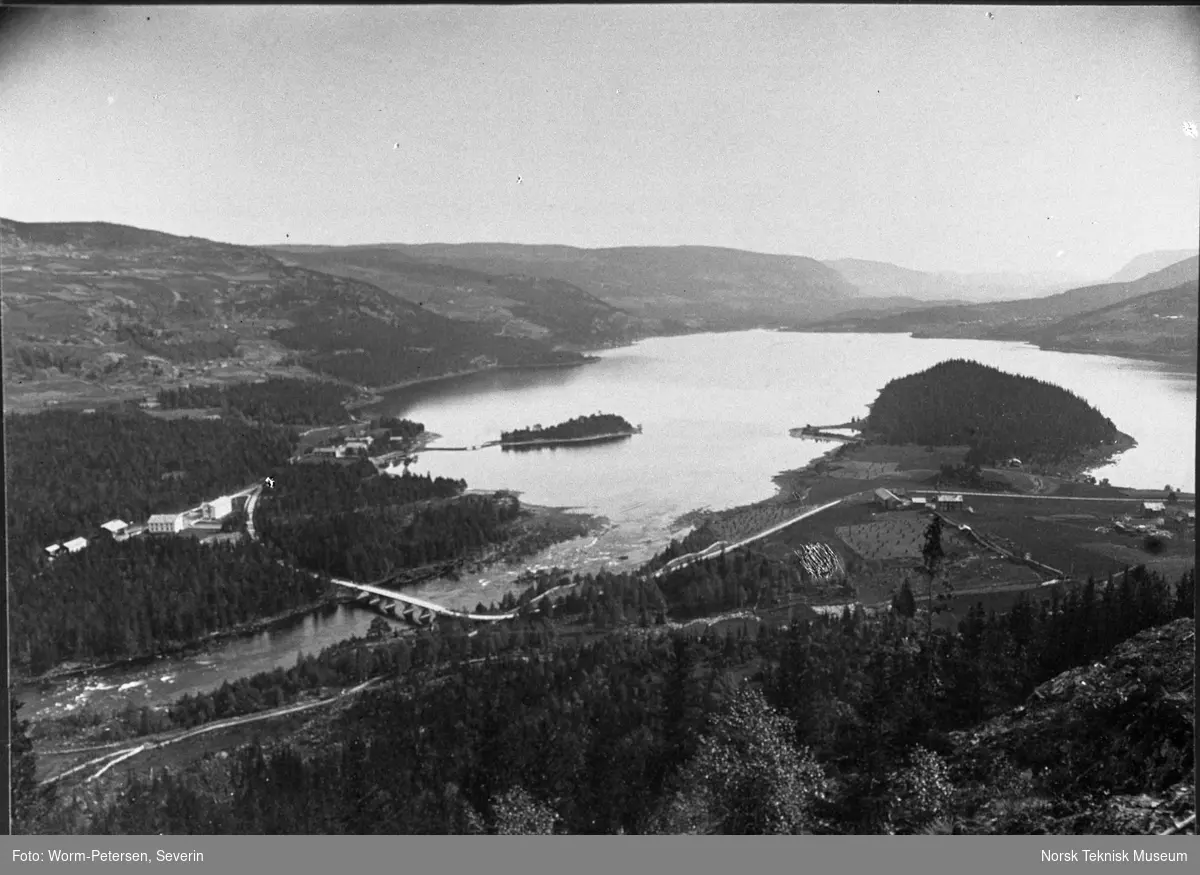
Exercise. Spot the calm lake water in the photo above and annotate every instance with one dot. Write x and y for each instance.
(715, 410)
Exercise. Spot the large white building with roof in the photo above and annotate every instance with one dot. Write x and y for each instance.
(116, 528)
(165, 524)
(75, 544)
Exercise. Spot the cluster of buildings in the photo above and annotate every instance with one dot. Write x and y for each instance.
(118, 530)
(889, 500)
(160, 523)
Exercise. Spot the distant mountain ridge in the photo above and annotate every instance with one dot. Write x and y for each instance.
(882, 279)
(700, 287)
(1149, 262)
(1014, 320)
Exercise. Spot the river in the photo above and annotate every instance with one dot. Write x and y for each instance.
(715, 411)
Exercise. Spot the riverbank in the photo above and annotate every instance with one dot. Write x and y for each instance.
(81, 668)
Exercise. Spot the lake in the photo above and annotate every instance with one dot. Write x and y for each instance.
(715, 411)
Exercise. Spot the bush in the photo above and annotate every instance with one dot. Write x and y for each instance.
(920, 792)
(1154, 543)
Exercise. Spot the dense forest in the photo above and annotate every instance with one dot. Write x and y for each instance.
(142, 596)
(278, 399)
(843, 725)
(179, 346)
(580, 427)
(350, 522)
(68, 472)
(998, 415)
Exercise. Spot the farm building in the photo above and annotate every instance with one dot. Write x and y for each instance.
(918, 502)
(356, 447)
(217, 509)
(75, 545)
(1153, 508)
(335, 452)
(116, 528)
(165, 524)
(53, 548)
(887, 499)
(949, 502)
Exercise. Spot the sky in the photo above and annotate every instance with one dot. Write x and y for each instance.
(968, 138)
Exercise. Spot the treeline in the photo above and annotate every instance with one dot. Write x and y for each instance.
(278, 399)
(146, 595)
(998, 415)
(348, 522)
(69, 472)
(849, 734)
(581, 426)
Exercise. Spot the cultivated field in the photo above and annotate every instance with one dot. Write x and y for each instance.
(896, 536)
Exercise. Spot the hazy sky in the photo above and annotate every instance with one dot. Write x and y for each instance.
(968, 138)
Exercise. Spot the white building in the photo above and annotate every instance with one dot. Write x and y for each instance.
(165, 524)
(218, 508)
(53, 548)
(357, 447)
(950, 502)
(116, 528)
(75, 544)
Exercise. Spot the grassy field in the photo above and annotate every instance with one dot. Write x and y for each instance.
(1071, 535)
(899, 535)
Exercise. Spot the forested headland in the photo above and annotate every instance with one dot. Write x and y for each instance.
(350, 522)
(280, 400)
(147, 595)
(591, 425)
(998, 415)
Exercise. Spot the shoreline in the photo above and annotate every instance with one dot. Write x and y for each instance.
(196, 647)
(377, 391)
(545, 442)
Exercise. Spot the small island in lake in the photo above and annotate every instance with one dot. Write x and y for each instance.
(593, 427)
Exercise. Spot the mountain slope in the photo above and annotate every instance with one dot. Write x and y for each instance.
(882, 279)
(511, 305)
(1126, 724)
(90, 309)
(1156, 324)
(1149, 262)
(1015, 320)
(697, 286)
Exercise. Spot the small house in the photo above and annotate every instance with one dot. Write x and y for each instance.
(918, 502)
(75, 545)
(116, 528)
(949, 502)
(165, 524)
(1014, 463)
(1153, 508)
(887, 499)
(356, 447)
(53, 548)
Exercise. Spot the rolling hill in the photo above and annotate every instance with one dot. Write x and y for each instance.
(512, 305)
(1158, 324)
(96, 311)
(699, 287)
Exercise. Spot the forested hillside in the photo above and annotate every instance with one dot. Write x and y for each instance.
(350, 522)
(998, 415)
(69, 472)
(278, 399)
(113, 601)
(844, 726)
